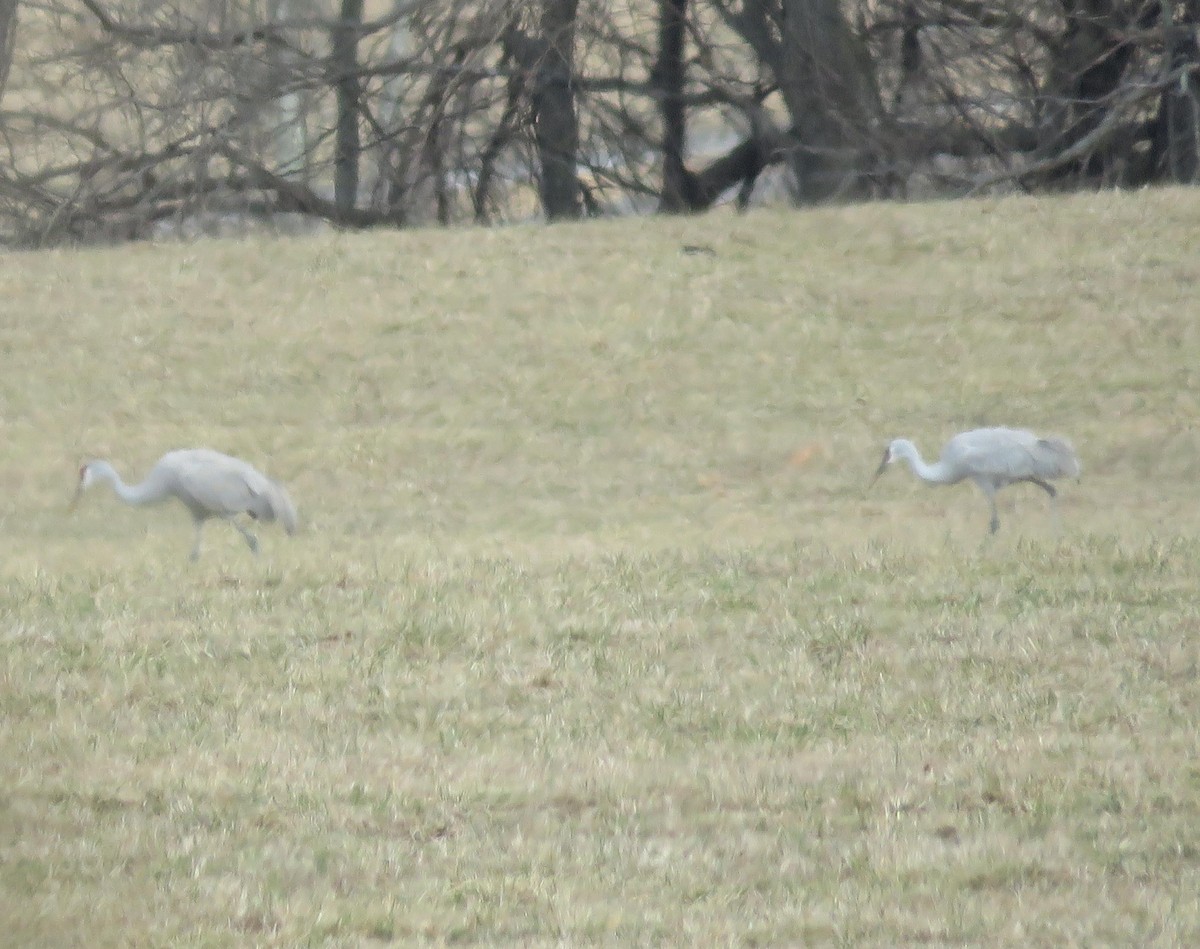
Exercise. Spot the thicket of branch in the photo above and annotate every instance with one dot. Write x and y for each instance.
(123, 118)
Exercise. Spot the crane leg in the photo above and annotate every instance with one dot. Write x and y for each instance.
(195, 555)
(1045, 486)
(994, 523)
(1049, 489)
(251, 540)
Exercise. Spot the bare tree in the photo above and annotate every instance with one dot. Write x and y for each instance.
(669, 76)
(826, 80)
(554, 110)
(8, 37)
(343, 62)
(717, 87)
(135, 118)
(287, 125)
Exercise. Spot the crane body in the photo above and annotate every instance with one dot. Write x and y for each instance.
(993, 458)
(208, 483)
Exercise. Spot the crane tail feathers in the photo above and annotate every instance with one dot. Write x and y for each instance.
(1058, 458)
(283, 508)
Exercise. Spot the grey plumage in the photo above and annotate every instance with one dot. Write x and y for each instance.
(992, 458)
(208, 483)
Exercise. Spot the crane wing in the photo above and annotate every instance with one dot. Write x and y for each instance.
(215, 487)
(1011, 454)
(221, 485)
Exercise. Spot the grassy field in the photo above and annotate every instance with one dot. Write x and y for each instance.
(592, 632)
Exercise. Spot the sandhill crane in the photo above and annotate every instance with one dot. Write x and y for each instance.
(992, 458)
(208, 483)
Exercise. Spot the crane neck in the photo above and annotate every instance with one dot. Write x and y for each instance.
(147, 492)
(935, 473)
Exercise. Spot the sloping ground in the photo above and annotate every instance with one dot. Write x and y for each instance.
(592, 631)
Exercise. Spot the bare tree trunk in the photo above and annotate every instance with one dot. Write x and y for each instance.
(828, 85)
(1092, 57)
(389, 186)
(684, 189)
(826, 78)
(8, 37)
(557, 127)
(431, 160)
(344, 61)
(669, 77)
(502, 135)
(1181, 99)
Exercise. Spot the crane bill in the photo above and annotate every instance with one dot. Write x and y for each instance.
(75, 499)
(880, 470)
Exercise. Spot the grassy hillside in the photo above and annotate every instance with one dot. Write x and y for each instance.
(592, 632)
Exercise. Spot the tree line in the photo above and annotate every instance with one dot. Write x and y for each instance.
(118, 117)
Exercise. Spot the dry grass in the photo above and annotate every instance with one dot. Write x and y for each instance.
(592, 634)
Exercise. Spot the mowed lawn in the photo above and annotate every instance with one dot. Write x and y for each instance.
(592, 632)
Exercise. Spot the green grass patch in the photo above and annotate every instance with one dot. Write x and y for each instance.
(592, 632)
